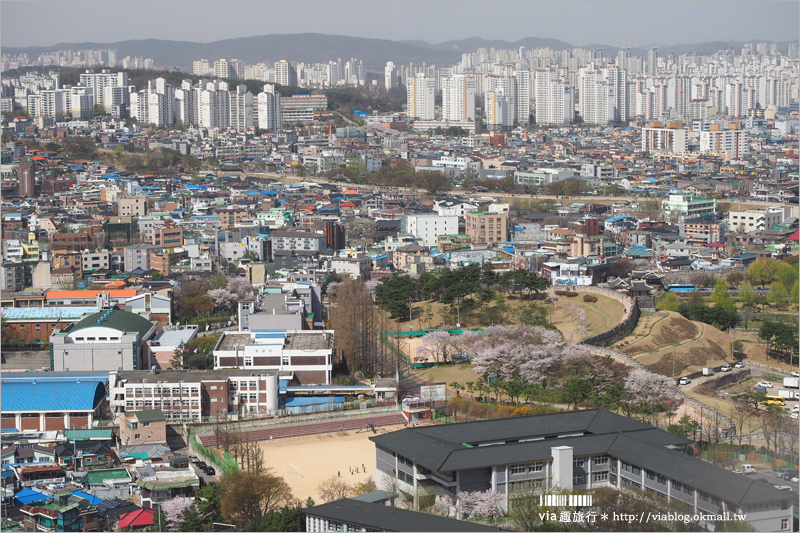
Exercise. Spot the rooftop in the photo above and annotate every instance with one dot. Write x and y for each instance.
(373, 516)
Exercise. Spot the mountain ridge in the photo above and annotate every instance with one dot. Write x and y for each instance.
(320, 48)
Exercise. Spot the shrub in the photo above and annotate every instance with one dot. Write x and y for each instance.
(569, 294)
(589, 298)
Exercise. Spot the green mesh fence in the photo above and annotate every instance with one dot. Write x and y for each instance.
(226, 463)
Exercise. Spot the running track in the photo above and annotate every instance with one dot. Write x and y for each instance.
(299, 430)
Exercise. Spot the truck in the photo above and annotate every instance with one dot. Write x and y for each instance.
(708, 371)
(745, 469)
(788, 394)
(791, 383)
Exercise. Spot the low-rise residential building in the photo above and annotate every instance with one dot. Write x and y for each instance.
(143, 427)
(484, 227)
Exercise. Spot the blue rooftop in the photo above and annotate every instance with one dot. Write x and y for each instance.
(93, 500)
(51, 394)
(46, 313)
(28, 496)
(313, 400)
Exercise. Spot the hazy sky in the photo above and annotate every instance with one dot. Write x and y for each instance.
(629, 23)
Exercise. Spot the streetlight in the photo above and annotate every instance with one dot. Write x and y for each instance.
(458, 312)
(410, 320)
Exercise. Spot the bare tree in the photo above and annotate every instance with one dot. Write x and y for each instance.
(334, 488)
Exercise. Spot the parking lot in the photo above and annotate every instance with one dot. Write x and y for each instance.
(771, 479)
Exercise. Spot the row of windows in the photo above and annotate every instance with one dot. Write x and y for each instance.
(526, 468)
(404, 461)
(162, 390)
(635, 470)
(407, 478)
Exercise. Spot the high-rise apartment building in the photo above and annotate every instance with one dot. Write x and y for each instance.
(241, 108)
(669, 139)
(458, 98)
(498, 110)
(652, 61)
(420, 97)
(98, 81)
(389, 76)
(554, 102)
(269, 108)
(522, 96)
(285, 73)
(734, 142)
(201, 68)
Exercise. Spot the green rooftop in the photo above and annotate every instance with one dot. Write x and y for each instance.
(96, 477)
(88, 434)
(149, 415)
(116, 319)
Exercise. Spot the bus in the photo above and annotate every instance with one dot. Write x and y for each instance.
(771, 399)
(681, 287)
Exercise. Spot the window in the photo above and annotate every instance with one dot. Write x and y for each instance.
(784, 524)
(651, 475)
(38, 328)
(536, 467)
(601, 460)
(599, 477)
(577, 463)
(579, 479)
(147, 424)
(285, 360)
(517, 469)
(687, 489)
(676, 485)
(334, 526)
(213, 387)
(137, 436)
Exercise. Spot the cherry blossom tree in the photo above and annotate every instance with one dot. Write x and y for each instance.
(174, 508)
(438, 345)
(486, 504)
(648, 392)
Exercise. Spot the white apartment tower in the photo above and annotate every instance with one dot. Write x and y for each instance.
(201, 68)
(389, 76)
(498, 110)
(97, 82)
(420, 98)
(269, 108)
(554, 103)
(241, 108)
(458, 98)
(522, 96)
(285, 73)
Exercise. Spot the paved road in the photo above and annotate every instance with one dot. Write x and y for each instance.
(300, 430)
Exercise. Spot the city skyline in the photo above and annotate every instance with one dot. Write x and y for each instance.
(610, 23)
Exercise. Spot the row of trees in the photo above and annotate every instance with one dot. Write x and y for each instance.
(536, 364)
(462, 289)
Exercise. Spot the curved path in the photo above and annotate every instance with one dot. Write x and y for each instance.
(301, 430)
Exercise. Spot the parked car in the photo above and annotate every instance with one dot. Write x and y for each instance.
(795, 479)
(796, 374)
(782, 473)
(738, 365)
(201, 465)
(765, 384)
(726, 368)
(210, 471)
(684, 381)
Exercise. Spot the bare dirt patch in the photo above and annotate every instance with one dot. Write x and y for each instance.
(667, 338)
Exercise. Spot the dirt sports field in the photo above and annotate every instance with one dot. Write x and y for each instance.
(660, 335)
(320, 456)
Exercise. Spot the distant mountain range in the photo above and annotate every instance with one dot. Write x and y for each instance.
(317, 47)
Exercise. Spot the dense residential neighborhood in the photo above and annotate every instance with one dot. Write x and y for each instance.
(530, 283)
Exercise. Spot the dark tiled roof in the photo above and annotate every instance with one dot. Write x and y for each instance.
(382, 517)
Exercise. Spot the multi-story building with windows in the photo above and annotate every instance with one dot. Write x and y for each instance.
(753, 220)
(572, 450)
(194, 395)
(687, 206)
(429, 227)
(168, 235)
(733, 142)
(301, 107)
(671, 139)
(420, 98)
(458, 98)
(484, 227)
(298, 240)
(306, 356)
